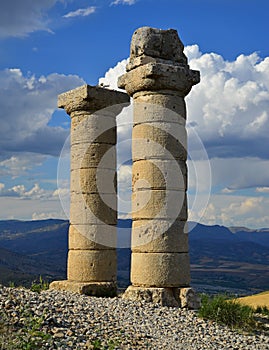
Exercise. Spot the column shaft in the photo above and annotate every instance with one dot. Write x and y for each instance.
(92, 258)
(158, 78)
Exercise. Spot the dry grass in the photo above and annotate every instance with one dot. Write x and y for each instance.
(261, 299)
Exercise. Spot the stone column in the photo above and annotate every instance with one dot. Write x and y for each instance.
(158, 78)
(92, 260)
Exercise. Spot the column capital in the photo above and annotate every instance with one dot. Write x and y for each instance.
(157, 62)
(90, 98)
(159, 76)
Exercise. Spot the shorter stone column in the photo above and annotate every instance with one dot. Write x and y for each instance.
(92, 257)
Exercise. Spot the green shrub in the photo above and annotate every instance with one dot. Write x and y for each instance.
(39, 286)
(228, 312)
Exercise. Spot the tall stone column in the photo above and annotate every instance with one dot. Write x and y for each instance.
(158, 78)
(92, 260)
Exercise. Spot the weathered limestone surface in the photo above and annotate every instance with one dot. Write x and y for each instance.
(146, 237)
(91, 99)
(158, 78)
(93, 208)
(160, 269)
(156, 174)
(161, 204)
(94, 129)
(92, 259)
(189, 299)
(93, 180)
(92, 265)
(98, 289)
(159, 140)
(152, 105)
(175, 297)
(87, 155)
(92, 237)
(160, 296)
(156, 43)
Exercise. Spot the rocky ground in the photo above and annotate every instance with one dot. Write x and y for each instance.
(62, 320)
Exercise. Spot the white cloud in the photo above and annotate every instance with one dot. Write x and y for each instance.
(13, 207)
(230, 105)
(227, 190)
(27, 104)
(229, 108)
(48, 215)
(110, 80)
(61, 193)
(26, 139)
(81, 12)
(232, 210)
(125, 174)
(124, 119)
(20, 191)
(123, 2)
(124, 190)
(19, 18)
(20, 165)
(229, 111)
(238, 154)
(262, 189)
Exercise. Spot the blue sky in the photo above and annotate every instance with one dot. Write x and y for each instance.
(49, 46)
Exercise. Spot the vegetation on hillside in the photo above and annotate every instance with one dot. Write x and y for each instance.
(230, 312)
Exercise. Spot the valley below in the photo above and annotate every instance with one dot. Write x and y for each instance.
(223, 260)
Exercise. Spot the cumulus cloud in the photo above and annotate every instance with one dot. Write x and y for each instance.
(229, 112)
(232, 210)
(19, 18)
(262, 189)
(20, 191)
(61, 192)
(27, 104)
(110, 80)
(16, 166)
(81, 12)
(229, 107)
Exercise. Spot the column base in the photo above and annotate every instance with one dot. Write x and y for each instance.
(174, 297)
(97, 289)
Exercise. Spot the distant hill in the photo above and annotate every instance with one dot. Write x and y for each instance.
(230, 261)
(29, 249)
(257, 236)
(222, 259)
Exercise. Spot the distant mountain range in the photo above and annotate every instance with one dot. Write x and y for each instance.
(222, 259)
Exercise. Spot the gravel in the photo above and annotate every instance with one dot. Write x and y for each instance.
(80, 322)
